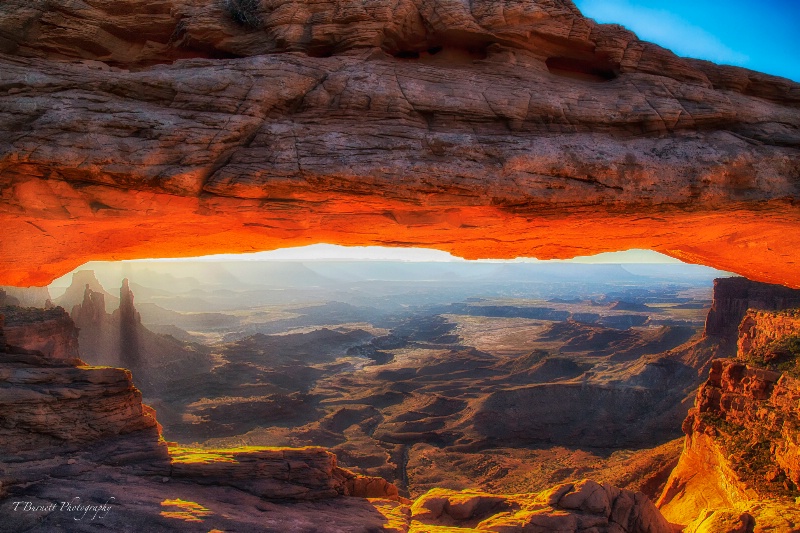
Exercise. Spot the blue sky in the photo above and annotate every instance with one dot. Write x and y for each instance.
(761, 35)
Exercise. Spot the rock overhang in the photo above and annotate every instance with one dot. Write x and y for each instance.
(535, 133)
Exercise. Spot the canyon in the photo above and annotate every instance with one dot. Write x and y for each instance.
(474, 416)
(145, 129)
(107, 444)
(436, 417)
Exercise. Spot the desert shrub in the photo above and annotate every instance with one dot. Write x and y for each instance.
(782, 355)
(244, 12)
(750, 452)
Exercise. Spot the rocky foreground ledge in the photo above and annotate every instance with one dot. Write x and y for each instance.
(79, 449)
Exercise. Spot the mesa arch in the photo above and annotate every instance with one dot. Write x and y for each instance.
(487, 129)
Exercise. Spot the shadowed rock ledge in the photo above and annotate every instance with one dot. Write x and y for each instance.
(490, 130)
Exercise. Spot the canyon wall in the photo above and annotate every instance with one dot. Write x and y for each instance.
(760, 331)
(133, 130)
(734, 296)
(55, 409)
(50, 331)
(742, 456)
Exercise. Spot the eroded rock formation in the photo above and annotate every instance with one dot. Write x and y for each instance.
(120, 339)
(741, 460)
(57, 409)
(130, 322)
(76, 292)
(732, 299)
(487, 129)
(582, 506)
(50, 331)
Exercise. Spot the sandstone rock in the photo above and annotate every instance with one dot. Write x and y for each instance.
(722, 521)
(372, 487)
(734, 296)
(271, 473)
(130, 322)
(50, 407)
(51, 332)
(758, 330)
(583, 506)
(741, 453)
(278, 123)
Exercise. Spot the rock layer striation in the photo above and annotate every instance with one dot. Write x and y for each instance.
(485, 129)
(741, 460)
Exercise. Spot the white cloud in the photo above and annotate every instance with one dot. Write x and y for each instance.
(663, 28)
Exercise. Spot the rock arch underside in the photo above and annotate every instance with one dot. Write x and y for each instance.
(488, 129)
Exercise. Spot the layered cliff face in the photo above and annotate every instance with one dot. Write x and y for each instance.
(732, 299)
(741, 452)
(55, 410)
(489, 130)
(50, 331)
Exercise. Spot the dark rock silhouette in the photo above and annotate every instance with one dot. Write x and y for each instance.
(129, 324)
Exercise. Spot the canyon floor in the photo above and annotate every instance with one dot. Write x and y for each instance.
(430, 397)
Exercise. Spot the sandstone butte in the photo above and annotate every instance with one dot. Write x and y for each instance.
(141, 128)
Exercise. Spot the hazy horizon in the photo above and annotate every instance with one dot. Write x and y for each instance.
(329, 266)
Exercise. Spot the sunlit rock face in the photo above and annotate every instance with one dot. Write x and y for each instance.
(55, 411)
(741, 460)
(136, 129)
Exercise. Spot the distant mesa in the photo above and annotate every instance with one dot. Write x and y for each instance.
(629, 306)
(74, 295)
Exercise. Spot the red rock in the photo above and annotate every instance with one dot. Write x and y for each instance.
(534, 132)
(734, 296)
(758, 330)
(741, 450)
(582, 506)
(50, 331)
